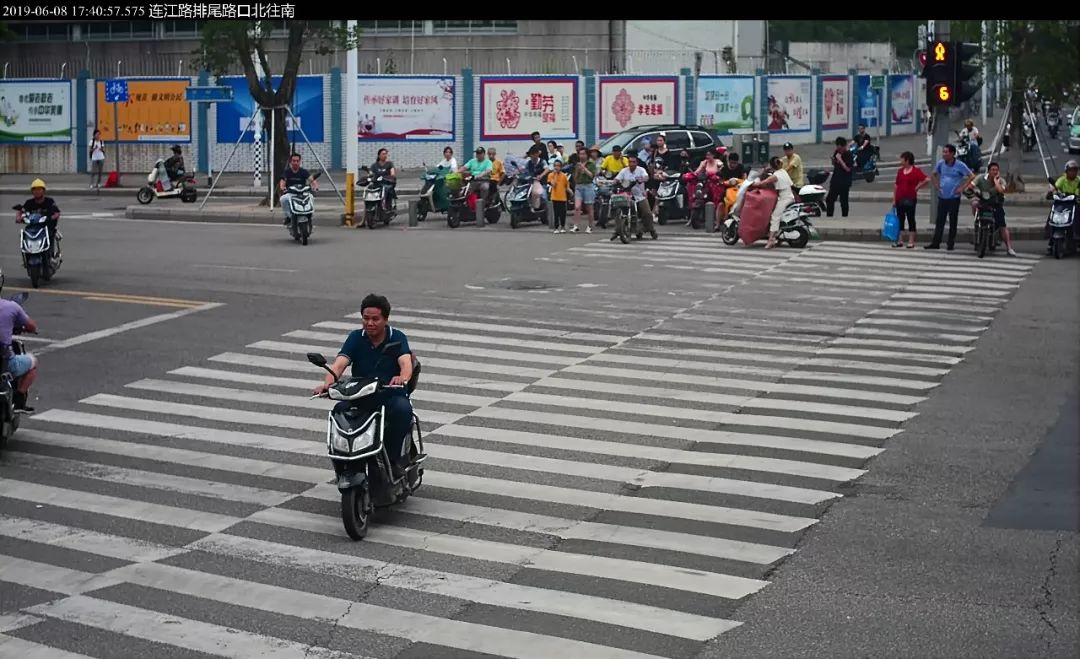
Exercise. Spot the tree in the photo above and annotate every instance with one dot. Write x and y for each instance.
(1042, 55)
(224, 44)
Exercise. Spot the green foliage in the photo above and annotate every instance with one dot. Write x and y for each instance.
(226, 44)
(5, 32)
(1043, 54)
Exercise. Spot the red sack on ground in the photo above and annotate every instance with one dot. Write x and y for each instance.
(113, 180)
(757, 208)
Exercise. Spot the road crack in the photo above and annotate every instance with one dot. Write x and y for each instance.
(1047, 602)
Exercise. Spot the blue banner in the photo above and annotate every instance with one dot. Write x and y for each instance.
(870, 103)
(307, 105)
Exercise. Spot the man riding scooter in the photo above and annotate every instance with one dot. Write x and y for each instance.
(174, 165)
(479, 169)
(22, 368)
(42, 205)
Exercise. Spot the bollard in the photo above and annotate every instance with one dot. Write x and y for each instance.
(710, 217)
(413, 216)
(350, 203)
(480, 221)
(550, 211)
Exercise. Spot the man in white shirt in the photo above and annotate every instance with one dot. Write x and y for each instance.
(635, 173)
(781, 182)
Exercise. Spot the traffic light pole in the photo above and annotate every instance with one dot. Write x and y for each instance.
(941, 123)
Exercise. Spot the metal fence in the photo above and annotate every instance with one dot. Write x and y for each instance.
(482, 60)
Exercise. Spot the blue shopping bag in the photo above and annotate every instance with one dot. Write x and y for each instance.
(890, 229)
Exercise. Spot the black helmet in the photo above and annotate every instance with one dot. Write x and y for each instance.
(176, 148)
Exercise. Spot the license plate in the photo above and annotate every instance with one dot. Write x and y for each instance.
(373, 196)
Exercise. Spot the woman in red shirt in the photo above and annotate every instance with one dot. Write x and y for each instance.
(909, 179)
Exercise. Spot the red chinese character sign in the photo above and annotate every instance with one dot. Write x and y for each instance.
(413, 108)
(836, 105)
(511, 108)
(790, 103)
(633, 101)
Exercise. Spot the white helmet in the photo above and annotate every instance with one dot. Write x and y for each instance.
(1072, 164)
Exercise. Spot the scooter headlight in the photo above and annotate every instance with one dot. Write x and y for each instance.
(340, 443)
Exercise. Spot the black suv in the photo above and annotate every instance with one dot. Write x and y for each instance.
(695, 139)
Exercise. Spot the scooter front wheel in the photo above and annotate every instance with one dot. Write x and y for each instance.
(356, 511)
(730, 236)
(145, 195)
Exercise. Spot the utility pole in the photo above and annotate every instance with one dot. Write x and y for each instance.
(940, 32)
(352, 110)
(985, 70)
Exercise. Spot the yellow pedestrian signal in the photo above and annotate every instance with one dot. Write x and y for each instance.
(939, 52)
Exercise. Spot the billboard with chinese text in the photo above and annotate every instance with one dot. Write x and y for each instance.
(790, 109)
(511, 108)
(35, 111)
(725, 103)
(836, 104)
(414, 108)
(154, 112)
(633, 101)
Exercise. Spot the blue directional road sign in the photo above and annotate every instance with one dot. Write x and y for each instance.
(208, 94)
(116, 91)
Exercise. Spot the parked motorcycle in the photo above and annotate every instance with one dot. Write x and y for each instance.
(380, 205)
(1060, 224)
(520, 208)
(354, 444)
(302, 207)
(160, 186)
(39, 257)
(433, 194)
(463, 206)
(9, 418)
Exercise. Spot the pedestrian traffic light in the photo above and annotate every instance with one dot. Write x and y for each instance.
(967, 78)
(940, 74)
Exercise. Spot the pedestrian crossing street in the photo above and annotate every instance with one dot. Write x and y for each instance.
(611, 473)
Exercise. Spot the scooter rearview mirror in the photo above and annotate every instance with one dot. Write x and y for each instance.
(316, 359)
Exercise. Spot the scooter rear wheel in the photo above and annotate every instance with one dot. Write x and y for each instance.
(802, 239)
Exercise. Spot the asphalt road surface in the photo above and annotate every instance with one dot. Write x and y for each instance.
(662, 449)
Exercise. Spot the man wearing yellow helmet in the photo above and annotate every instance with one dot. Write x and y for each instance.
(42, 205)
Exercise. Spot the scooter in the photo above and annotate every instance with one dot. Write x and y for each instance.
(463, 204)
(795, 226)
(965, 154)
(1053, 121)
(702, 188)
(624, 212)
(521, 209)
(9, 418)
(1060, 224)
(159, 186)
(985, 233)
(302, 208)
(605, 187)
(354, 444)
(869, 169)
(38, 255)
(378, 208)
(433, 194)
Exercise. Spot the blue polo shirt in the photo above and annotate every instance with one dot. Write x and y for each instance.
(950, 178)
(369, 360)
